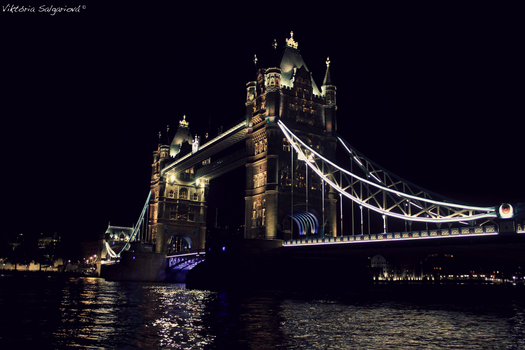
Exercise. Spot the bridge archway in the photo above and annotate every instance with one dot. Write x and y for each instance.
(179, 244)
(305, 223)
(178, 266)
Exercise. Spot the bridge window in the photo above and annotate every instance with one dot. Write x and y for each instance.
(286, 145)
(183, 193)
(171, 194)
(259, 212)
(195, 196)
(182, 214)
(191, 214)
(259, 179)
(261, 146)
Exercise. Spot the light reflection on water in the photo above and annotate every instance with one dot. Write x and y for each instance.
(394, 325)
(96, 314)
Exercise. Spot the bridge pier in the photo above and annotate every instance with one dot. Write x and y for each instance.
(237, 263)
(272, 213)
(137, 266)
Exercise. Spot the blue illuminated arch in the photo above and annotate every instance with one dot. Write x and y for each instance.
(307, 222)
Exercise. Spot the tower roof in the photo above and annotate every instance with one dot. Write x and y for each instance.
(182, 135)
(291, 61)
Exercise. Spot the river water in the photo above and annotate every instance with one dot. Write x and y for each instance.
(91, 313)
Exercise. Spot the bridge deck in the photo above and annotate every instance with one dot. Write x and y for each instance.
(396, 236)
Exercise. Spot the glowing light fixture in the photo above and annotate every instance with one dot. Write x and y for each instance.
(506, 211)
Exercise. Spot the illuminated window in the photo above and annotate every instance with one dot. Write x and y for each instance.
(260, 146)
(183, 193)
(286, 145)
(182, 214)
(195, 196)
(171, 194)
(259, 179)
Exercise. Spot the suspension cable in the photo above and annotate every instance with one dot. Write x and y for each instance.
(290, 136)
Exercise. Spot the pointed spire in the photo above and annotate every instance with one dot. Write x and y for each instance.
(275, 56)
(327, 80)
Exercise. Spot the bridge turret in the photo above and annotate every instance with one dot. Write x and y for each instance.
(329, 93)
(251, 94)
(273, 94)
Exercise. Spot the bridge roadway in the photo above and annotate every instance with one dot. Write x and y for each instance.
(338, 262)
(396, 236)
(468, 242)
(480, 239)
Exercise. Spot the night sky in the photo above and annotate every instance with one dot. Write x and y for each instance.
(433, 94)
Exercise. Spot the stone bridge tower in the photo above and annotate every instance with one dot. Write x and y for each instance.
(177, 214)
(277, 184)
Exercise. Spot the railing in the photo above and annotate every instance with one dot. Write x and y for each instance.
(396, 236)
(185, 261)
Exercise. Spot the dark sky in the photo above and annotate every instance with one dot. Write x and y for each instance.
(434, 94)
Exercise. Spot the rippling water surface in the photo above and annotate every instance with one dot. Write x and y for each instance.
(91, 313)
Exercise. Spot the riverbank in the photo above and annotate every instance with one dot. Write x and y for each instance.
(65, 274)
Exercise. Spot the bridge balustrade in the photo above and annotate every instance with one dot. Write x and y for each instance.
(394, 236)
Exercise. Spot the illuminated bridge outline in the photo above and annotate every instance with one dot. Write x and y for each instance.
(425, 204)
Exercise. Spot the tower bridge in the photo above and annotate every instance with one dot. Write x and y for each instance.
(296, 183)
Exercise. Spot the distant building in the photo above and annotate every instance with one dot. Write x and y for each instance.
(388, 269)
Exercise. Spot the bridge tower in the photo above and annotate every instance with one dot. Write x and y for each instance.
(278, 186)
(177, 214)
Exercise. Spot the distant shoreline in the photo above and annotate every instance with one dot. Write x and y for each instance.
(65, 274)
